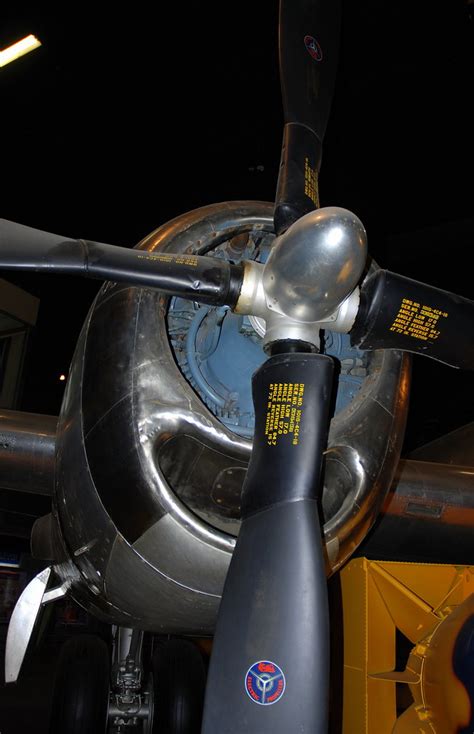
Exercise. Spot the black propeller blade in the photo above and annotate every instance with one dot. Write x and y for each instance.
(203, 279)
(269, 669)
(308, 45)
(399, 313)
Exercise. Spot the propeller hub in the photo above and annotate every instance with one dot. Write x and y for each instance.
(315, 264)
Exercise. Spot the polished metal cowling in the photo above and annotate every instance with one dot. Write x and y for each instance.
(148, 479)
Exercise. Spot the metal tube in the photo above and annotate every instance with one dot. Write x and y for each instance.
(427, 517)
(27, 446)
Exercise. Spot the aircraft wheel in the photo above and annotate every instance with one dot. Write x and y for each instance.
(81, 690)
(179, 676)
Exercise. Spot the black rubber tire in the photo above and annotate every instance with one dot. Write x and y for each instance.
(81, 688)
(179, 677)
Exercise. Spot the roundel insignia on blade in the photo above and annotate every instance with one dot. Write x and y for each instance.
(313, 48)
(265, 682)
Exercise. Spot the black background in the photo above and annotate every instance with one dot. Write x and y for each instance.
(125, 118)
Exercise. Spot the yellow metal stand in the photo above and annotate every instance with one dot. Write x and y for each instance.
(428, 604)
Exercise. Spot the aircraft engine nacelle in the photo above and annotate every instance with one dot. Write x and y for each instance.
(155, 434)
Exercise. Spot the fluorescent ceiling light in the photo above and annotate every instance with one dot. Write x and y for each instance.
(20, 48)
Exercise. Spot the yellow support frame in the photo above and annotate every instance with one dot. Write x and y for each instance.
(429, 604)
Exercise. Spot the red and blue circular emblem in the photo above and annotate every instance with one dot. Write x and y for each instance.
(265, 682)
(313, 48)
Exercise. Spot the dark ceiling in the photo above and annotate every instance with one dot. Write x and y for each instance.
(122, 121)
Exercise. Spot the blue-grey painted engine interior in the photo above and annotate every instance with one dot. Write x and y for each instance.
(218, 351)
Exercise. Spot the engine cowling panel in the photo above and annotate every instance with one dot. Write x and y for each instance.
(150, 461)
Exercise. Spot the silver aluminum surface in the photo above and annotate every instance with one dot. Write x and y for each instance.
(138, 553)
(316, 264)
